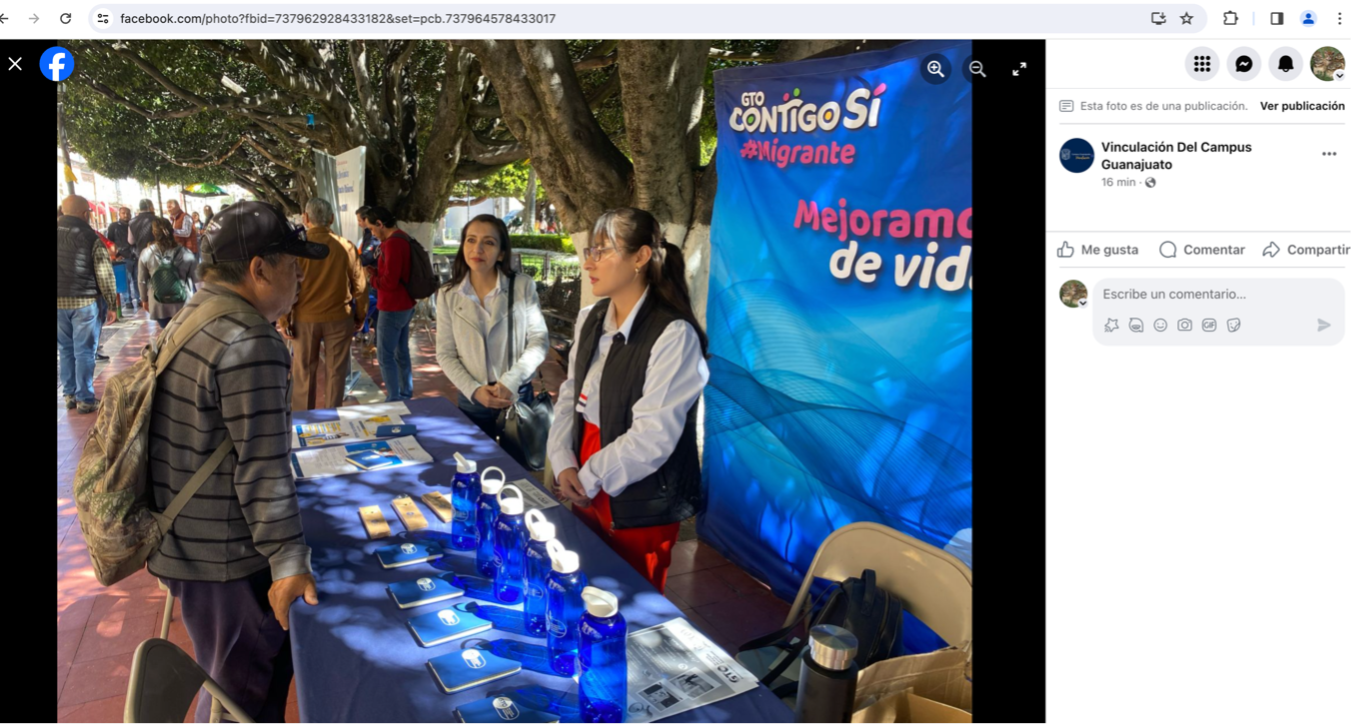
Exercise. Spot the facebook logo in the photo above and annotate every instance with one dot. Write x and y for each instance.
(57, 63)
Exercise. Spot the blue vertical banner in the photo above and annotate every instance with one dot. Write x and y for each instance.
(840, 306)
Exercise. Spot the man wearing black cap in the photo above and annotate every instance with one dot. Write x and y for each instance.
(235, 557)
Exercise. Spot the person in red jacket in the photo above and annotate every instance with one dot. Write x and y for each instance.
(389, 277)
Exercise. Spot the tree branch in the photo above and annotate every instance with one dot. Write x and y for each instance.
(197, 164)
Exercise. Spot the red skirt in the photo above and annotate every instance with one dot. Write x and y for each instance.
(648, 549)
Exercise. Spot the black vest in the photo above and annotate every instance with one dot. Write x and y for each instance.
(75, 241)
(139, 233)
(671, 494)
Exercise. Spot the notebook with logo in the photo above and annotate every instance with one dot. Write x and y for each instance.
(420, 592)
(398, 556)
(467, 668)
(500, 709)
(442, 626)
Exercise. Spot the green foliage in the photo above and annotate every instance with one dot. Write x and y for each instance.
(510, 181)
(552, 243)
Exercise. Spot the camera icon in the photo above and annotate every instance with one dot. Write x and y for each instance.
(1209, 325)
(1185, 324)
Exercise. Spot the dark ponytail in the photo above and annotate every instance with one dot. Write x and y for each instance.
(460, 268)
(630, 230)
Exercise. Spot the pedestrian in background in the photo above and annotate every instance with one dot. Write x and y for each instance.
(167, 273)
(388, 277)
(331, 307)
(184, 233)
(84, 274)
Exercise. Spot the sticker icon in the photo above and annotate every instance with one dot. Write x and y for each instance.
(1233, 325)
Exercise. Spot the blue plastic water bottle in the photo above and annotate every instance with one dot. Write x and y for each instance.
(602, 663)
(509, 547)
(486, 508)
(464, 494)
(537, 569)
(564, 607)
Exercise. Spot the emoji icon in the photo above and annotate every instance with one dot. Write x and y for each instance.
(1161, 324)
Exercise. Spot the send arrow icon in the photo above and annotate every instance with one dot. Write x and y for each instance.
(1320, 325)
(1271, 250)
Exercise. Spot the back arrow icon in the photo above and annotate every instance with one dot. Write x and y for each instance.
(1320, 325)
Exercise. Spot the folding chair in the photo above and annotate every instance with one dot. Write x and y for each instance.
(934, 586)
(163, 683)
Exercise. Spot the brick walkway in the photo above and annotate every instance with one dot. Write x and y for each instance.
(98, 628)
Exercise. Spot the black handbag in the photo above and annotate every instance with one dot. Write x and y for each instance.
(872, 615)
(526, 423)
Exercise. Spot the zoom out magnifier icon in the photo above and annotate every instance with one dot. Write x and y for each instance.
(935, 68)
(975, 68)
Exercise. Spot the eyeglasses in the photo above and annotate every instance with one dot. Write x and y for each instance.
(596, 253)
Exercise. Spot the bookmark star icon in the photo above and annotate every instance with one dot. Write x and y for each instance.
(1186, 18)
(1111, 326)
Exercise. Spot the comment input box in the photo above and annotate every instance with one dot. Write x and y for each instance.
(1218, 312)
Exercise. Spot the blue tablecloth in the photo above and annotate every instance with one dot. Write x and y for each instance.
(356, 660)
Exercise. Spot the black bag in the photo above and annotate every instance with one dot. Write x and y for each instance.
(422, 282)
(526, 423)
(858, 605)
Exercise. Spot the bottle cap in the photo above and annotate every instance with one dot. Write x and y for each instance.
(562, 560)
(602, 604)
(465, 466)
(514, 506)
(491, 486)
(832, 646)
(541, 530)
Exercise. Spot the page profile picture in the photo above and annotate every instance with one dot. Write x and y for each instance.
(1074, 294)
(1327, 64)
(1076, 155)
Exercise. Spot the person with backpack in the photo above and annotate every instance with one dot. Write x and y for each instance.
(623, 446)
(402, 276)
(201, 490)
(167, 269)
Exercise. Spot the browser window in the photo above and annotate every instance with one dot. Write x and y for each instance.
(1152, 381)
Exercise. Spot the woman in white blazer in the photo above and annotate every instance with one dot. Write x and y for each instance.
(472, 345)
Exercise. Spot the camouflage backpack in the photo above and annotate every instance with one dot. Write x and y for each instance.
(112, 496)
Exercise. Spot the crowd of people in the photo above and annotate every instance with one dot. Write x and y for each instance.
(622, 444)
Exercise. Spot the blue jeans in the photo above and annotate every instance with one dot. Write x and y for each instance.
(133, 290)
(77, 335)
(392, 350)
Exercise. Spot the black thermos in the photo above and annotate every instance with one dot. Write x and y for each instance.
(827, 678)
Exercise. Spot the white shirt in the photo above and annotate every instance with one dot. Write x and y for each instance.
(675, 377)
(497, 339)
(462, 322)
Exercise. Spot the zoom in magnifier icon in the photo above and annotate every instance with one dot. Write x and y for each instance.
(975, 68)
(935, 68)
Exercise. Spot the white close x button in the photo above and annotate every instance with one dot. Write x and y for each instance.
(14, 63)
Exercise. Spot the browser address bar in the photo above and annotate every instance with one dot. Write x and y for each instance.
(383, 19)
